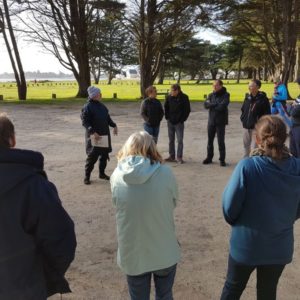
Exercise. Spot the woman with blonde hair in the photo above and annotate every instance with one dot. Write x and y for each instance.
(145, 194)
(261, 203)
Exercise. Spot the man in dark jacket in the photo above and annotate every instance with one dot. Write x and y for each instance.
(37, 238)
(96, 120)
(217, 104)
(177, 110)
(152, 113)
(256, 105)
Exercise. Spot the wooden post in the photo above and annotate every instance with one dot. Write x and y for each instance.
(115, 96)
(205, 96)
(53, 96)
(1, 97)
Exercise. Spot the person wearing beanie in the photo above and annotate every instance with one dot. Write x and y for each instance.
(295, 127)
(96, 121)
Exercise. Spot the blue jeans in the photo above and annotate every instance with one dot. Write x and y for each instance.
(139, 286)
(154, 131)
(177, 129)
(238, 276)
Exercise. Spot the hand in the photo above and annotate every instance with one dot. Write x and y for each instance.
(115, 130)
(96, 136)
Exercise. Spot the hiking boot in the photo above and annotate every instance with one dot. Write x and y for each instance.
(104, 176)
(180, 160)
(170, 159)
(86, 180)
(222, 163)
(207, 161)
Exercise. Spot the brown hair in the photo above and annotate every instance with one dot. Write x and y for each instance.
(150, 90)
(140, 143)
(271, 134)
(7, 131)
(176, 87)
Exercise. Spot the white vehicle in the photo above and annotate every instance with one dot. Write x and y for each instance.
(129, 72)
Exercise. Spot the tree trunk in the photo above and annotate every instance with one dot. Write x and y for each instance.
(214, 74)
(240, 66)
(226, 74)
(19, 72)
(297, 65)
(110, 77)
(161, 75)
(291, 9)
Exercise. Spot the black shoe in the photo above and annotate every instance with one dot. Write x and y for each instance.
(104, 176)
(86, 180)
(207, 161)
(222, 163)
(170, 159)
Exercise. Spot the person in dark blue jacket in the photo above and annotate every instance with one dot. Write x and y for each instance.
(96, 120)
(261, 202)
(37, 238)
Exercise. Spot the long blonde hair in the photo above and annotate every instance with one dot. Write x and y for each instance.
(140, 143)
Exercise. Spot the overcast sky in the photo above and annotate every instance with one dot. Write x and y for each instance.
(34, 58)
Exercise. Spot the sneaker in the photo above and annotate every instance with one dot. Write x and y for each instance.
(86, 180)
(104, 176)
(180, 160)
(207, 161)
(222, 163)
(170, 159)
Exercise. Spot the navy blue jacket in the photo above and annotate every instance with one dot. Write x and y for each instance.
(95, 118)
(37, 239)
(262, 202)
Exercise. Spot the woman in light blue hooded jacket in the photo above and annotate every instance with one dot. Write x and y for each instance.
(145, 193)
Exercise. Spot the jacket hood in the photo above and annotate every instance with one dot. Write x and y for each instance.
(136, 169)
(17, 165)
(288, 169)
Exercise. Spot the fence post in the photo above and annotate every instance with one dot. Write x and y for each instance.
(115, 95)
(53, 96)
(1, 97)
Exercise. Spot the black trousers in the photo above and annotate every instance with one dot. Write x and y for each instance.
(211, 131)
(92, 157)
(238, 276)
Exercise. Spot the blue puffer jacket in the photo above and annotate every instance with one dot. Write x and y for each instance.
(37, 239)
(262, 202)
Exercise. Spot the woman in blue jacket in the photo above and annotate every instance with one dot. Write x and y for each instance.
(145, 194)
(261, 203)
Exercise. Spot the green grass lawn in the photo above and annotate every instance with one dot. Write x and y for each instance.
(127, 90)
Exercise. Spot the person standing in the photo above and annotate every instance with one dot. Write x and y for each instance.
(37, 238)
(261, 202)
(295, 127)
(152, 113)
(145, 194)
(279, 101)
(177, 110)
(256, 105)
(217, 104)
(96, 120)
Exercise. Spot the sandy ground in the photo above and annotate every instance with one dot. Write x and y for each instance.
(56, 131)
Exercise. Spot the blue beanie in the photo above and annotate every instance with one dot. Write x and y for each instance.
(93, 92)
